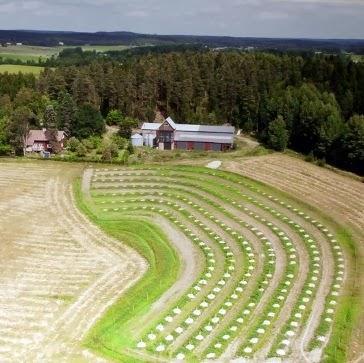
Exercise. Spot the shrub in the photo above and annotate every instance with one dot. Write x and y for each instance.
(109, 151)
(88, 144)
(321, 162)
(130, 148)
(114, 117)
(5, 150)
(123, 156)
(72, 144)
(119, 141)
(92, 142)
(81, 150)
(278, 135)
(310, 157)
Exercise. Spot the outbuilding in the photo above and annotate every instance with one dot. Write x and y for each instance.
(137, 140)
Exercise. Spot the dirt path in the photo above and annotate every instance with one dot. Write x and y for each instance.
(58, 272)
(192, 266)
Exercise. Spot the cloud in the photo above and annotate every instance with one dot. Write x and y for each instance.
(276, 18)
(137, 13)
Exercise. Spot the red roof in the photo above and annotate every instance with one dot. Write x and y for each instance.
(42, 136)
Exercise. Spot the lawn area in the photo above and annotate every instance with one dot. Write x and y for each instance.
(12, 68)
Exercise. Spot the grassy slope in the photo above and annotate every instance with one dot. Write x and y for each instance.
(114, 332)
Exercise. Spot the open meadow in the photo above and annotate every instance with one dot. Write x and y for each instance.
(179, 263)
(34, 53)
(14, 69)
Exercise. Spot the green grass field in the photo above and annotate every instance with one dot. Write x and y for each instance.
(26, 53)
(11, 68)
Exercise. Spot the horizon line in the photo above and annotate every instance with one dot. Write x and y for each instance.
(186, 35)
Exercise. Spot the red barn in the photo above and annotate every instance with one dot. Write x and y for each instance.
(170, 135)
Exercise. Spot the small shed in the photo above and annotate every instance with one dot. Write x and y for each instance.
(137, 140)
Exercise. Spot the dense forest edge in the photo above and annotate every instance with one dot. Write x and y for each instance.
(311, 103)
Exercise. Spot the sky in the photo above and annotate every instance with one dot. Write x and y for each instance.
(246, 18)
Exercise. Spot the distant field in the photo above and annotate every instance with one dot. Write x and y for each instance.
(27, 52)
(357, 58)
(33, 53)
(105, 48)
(11, 68)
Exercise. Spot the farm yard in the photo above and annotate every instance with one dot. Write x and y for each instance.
(173, 263)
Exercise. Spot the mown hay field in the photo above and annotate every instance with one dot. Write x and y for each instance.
(171, 263)
(269, 272)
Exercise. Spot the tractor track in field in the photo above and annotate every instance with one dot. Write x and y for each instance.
(324, 284)
(327, 273)
(272, 237)
(60, 274)
(325, 281)
(191, 268)
(339, 196)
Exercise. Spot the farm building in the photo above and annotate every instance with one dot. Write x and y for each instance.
(170, 135)
(39, 140)
(137, 140)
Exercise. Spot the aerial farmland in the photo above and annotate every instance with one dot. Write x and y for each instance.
(172, 263)
(182, 182)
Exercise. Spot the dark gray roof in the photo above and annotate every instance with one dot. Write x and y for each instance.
(190, 127)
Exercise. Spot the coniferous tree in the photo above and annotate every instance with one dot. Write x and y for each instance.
(50, 123)
(66, 113)
(84, 92)
(87, 122)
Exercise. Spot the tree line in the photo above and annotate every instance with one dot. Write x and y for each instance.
(310, 103)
